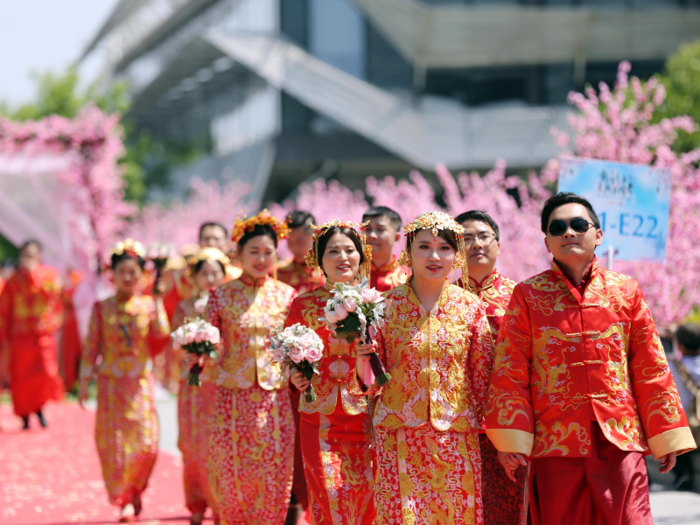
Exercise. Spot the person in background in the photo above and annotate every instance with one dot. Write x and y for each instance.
(296, 274)
(252, 446)
(125, 331)
(505, 503)
(383, 231)
(580, 383)
(31, 314)
(195, 405)
(686, 373)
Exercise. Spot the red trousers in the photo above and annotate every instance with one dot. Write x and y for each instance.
(609, 487)
(299, 490)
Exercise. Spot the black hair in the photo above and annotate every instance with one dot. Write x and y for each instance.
(562, 198)
(688, 335)
(374, 212)
(447, 235)
(260, 230)
(212, 225)
(117, 258)
(299, 218)
(350, 233)
(478, 215)
(201, 262)
(31, 242)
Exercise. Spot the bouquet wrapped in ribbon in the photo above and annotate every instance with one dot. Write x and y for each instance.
(350, 311)
(300, 348)
(200, 338)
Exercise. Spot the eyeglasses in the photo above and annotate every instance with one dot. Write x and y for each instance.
(558, 227)
(484, 238)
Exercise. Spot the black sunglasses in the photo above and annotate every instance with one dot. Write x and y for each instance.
(558, 227)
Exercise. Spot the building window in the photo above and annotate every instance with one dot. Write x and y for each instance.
(337, 35)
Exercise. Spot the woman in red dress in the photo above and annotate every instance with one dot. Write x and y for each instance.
(252, 447)
(196, 403)
(336, 432)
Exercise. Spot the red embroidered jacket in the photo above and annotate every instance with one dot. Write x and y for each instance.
(388, 276)
(564, 360)
(495, 291)
(299, 277)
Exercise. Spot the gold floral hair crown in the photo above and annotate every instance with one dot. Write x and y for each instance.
(312, 256)
(436, 221)
(128, 246)
(243, 225)
(208, 254)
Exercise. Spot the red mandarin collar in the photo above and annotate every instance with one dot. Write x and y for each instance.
(587, 274)
(388, 267)
(485, 283)
(255, 283)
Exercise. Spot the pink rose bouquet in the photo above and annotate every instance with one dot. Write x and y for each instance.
(350, 311)
(159, 253)
(300, 348)
(200, 338)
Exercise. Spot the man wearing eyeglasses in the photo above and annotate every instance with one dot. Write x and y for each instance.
(581, 385)
(503, 502)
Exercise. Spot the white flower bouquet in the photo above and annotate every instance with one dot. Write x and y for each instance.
(159, 253)
(350, 311)
(301, 348)
(200, 338)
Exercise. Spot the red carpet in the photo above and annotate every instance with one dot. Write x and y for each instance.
(53, 476)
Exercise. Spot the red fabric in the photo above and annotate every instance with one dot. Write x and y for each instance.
(70, 347)
(565, 360)
(299, 277)
(30, 316)
(609, 486)
(388, 276)
(301, 493)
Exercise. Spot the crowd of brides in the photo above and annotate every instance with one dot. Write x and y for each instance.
(507, 403)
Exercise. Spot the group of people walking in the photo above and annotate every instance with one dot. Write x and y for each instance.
(507, 404)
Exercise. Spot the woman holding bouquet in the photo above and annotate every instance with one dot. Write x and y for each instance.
(196, 403)
(335, 427)
(125, 331)
(252, 446)
(436, 345)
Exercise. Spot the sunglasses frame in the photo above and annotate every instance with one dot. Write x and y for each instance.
(568, 224)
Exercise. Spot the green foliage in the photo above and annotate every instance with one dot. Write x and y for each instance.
(8, 250)
(681, 79)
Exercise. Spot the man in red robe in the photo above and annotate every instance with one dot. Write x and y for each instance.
(580, 383)
(505, 503)
(30, 315)
(383, 231)
(294, 272)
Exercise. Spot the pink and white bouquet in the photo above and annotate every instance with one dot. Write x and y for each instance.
(300, 348)
(350, 311)
(159, 253)
(200, 338)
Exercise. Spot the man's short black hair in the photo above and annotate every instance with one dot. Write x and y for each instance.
(374, 212)
(299, 218)
(212, 224)
(31, 242)
(688, 335)
(478, 215)
(562, 198)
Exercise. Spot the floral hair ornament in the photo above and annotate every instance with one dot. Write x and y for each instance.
(313, 257)
(436, 221)
(208, 254)
(264, 218)
(129, 247)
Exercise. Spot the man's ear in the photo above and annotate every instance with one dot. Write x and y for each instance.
(547, 245)
(397, 237)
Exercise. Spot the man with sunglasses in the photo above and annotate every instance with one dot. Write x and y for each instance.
(503, 502)
(581, 385)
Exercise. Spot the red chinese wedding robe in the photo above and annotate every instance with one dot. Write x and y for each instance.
(121, 337)
(252, 446)
(336, 432)
(30, 315)
(429, 414)
(505, 502)
(388, 276)
(578, 374)
(195, 416)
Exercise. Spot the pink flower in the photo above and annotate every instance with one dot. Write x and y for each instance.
(350, 304)
(340, 312)
(297, 355)
(332, 317)
(313, 355)
(370, 295)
